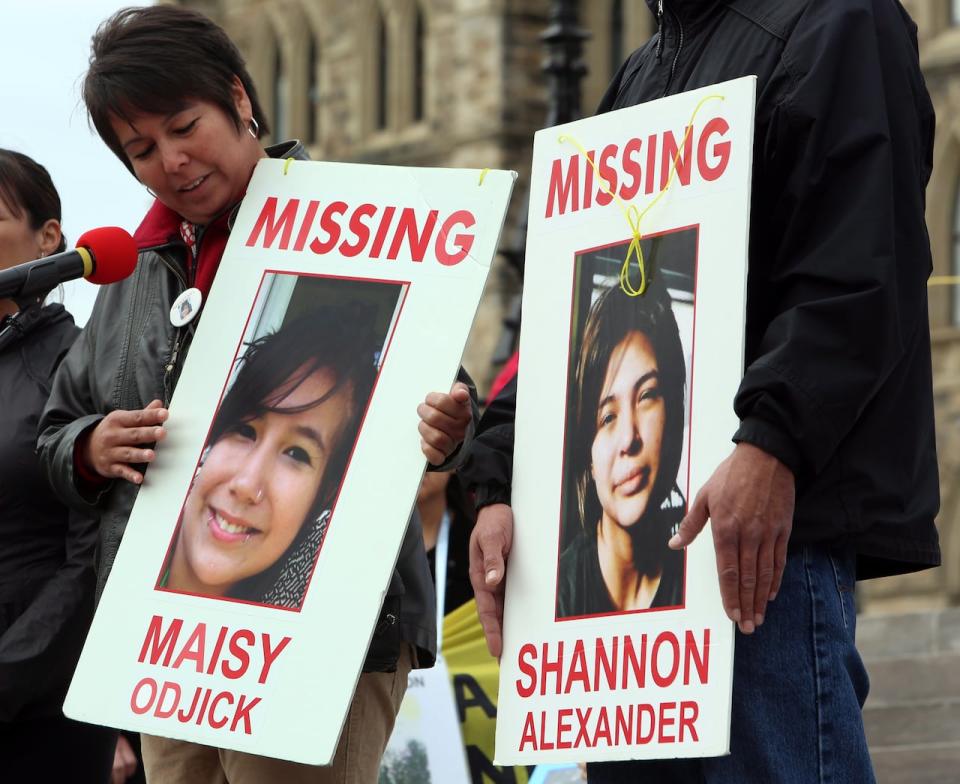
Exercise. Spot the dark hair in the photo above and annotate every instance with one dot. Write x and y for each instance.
(26, 187)
(154, 60)
(612, 317)
(338, 339)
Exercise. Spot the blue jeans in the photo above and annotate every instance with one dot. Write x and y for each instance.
(798, 689)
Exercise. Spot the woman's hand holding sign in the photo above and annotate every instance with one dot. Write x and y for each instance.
(444, 420)
(118, 442)
(749, 500)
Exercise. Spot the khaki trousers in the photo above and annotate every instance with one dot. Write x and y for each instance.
(357, 760)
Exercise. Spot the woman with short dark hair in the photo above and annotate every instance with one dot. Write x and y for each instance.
(169, 93)
(157, 61)
(625, 454)
(46, 553)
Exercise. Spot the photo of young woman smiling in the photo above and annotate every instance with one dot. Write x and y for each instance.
(257, 484)
(624, 449)
(275, 459)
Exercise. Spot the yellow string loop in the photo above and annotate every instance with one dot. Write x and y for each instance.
(286, 165)
(483, 176)
(633, 213)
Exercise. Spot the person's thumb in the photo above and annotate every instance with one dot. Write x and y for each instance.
(492, 566)
(460, 393)
(692, 524)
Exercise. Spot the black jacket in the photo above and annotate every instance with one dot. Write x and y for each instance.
(838, 372)
(46, 552)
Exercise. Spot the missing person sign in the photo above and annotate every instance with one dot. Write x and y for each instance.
(258, 554)
(616, 646)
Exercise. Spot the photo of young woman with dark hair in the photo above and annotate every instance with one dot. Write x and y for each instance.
(260, 503)
(624, 450)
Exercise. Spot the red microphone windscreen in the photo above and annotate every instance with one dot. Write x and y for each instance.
(114, 253)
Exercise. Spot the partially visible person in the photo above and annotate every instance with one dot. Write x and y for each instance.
(170, 95)
(46, 552)
(834, 474)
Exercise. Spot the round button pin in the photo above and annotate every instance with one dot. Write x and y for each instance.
(186, 307)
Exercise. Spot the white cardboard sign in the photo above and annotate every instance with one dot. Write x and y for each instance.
(426, 746)
(255, 562)
(616, 647)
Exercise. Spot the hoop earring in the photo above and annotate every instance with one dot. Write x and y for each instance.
(253, 128)
(152, 194)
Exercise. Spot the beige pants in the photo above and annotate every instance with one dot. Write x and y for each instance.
(357, 761)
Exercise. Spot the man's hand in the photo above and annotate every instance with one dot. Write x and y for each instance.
(490, 545)
(444, 420)
(749, 500)
(117, 441)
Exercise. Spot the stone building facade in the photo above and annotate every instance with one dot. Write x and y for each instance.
(458, 83)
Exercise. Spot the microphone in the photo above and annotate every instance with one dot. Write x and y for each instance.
(103, 255)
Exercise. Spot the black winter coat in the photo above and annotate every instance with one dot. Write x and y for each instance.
(46, 552)
(838, 370)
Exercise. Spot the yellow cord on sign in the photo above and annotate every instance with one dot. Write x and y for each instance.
(286, 165)
(483, 176)
(633, 213)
